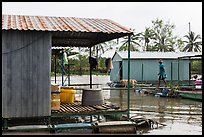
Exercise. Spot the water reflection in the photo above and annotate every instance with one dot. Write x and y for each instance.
(181, 116)
(170, 111)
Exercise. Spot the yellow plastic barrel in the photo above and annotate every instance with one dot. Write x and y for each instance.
(55, 102)
(67, 94)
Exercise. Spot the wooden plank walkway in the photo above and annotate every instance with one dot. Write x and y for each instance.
(78, 109)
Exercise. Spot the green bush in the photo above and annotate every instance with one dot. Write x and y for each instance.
(196, 67)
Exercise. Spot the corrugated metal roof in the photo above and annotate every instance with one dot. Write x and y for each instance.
(156, 55)
(48, 23)
(68, 31)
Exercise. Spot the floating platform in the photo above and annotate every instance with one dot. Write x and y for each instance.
(196, 95)
(76, 109)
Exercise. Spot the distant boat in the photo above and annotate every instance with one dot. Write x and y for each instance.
(196, 95)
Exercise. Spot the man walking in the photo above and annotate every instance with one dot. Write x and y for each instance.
(162, 73)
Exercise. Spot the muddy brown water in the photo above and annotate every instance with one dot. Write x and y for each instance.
(180, 116)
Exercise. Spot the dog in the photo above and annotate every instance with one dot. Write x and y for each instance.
(124, 82)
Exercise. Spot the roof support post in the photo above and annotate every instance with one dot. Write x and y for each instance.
(90, 69)
(55, 52)
(171, 72)
(142, 72)
(189, 78)
(128, 103)
(62, 68)
(178, 70)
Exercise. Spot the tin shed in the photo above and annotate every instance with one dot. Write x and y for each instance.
(26, 56)
(145, 66)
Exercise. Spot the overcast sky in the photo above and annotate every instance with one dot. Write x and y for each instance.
(135, 15)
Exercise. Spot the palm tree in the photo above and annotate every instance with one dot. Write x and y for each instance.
(163, 37)
(192, 43)
(179, 44)
(133, 43)
(146, 36)
(164, 44)
(101, 48)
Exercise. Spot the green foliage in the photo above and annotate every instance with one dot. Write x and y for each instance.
(78, 65)
(159, 37)
(146, 36)
(193, 43)
(196, 67)
(163, 36)
(134, 43)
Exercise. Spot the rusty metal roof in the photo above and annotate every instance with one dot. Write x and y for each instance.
(68, 31)
(47, 23)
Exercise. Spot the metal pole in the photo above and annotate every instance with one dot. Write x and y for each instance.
(129, 76)
(189, 81)
(142, 72)
(178, 71)
(90, 70)
(55, 66)
(68, 74)
(171, 72)
(62, 68)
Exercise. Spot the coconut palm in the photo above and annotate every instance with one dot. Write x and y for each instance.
(192, 44)
(164, 45)
(146, 36)
(133, 43)
(101, 48)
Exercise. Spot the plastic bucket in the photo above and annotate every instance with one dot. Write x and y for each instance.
(55, 100)
(54, 88)
(67, 94)
(91, 97)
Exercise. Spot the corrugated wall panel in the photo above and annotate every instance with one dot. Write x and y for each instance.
(150, 69)
(26, 74)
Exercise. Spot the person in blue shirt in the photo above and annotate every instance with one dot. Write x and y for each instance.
(162, 73)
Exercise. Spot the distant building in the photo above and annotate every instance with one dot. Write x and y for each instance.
(144, 66)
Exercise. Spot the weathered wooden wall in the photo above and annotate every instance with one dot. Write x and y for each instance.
(26, 63)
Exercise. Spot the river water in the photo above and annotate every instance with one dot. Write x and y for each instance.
(180, 116)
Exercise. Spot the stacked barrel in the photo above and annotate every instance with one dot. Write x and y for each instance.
(55, 97)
